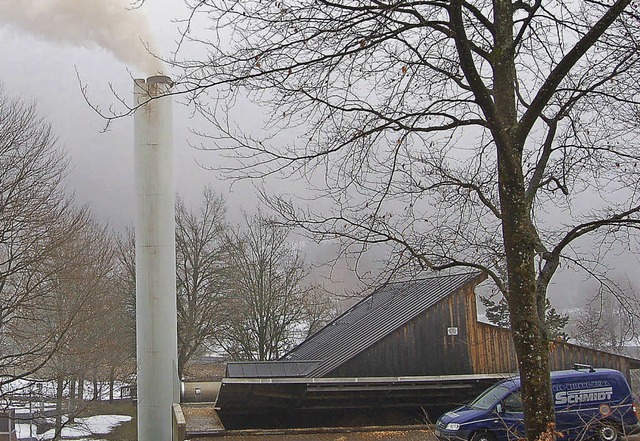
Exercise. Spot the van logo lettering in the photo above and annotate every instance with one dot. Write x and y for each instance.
(583, 395)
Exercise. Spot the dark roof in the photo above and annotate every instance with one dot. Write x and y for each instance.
(385, 310)
(270, 369)
(251, 396)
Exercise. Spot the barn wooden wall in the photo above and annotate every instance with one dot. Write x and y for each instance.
(491, 349)
(423, 347)
(565, 355)
(420, 347)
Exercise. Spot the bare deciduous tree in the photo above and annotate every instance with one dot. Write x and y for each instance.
(125, 279)
(55, 263)
(608, 320)
(487, 135)
(36, 219)
(201, 285)
(267, 296)
(79, 311)
(320, 307)
(122, 363)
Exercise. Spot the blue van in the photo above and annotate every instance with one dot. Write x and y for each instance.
(589, 403)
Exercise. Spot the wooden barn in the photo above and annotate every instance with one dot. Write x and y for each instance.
(409, 344)
(427, 327)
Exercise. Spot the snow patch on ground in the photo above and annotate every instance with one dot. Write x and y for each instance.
(81, 428)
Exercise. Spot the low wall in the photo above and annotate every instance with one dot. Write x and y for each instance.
(178, 423)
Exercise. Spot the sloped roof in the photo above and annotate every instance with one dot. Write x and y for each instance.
(377, 315)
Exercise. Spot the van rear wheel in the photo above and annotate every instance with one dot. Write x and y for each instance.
(484, 436)
(607, 432)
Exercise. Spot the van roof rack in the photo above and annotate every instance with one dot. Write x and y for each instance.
(578, 366)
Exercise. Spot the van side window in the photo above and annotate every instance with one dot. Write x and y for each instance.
(513, 402)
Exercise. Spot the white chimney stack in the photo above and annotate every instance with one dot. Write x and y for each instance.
(156, 320)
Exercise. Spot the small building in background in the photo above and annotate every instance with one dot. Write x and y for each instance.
(8, 425)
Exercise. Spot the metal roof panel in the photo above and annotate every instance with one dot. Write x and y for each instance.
(270, 369)
(374, 317)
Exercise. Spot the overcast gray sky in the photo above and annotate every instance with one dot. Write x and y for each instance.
(50, 46)
(46, 41)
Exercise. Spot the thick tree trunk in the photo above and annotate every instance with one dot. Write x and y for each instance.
(96, 392)
(72, 399)
(181, 359)
(59, 408)
(518, 231)
(81, 389)
(527, 326)
(111, 383)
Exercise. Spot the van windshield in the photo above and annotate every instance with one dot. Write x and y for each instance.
(490, 397)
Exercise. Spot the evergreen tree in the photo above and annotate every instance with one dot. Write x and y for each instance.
(498, 314)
